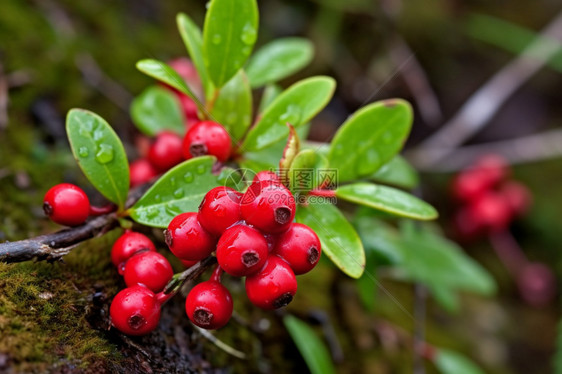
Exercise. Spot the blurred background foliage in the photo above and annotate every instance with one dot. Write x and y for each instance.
(59, 54)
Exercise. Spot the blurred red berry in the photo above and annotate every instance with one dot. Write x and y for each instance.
(141, 172)
(166, 151)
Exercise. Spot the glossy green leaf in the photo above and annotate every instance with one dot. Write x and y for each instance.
(380, 238)
(99, 153)
(157, 109)
(443, 264)
(270, 93)
(370, 138)
(233, 107)
(279, 59)
(303, 174)
(229, 35)
(296, 105)
(387, 199)
(451, 362)
(397, 172)
(339, 239)
(312, 349)
(180, 190)
(164, 73)
(193, 40)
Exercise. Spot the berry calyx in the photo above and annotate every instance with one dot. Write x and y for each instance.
(150, 269)
(166, 151)
(219, 209)
(268, 206)
(127, 245)
(207, 138)
(135, 311)
(66, 204)
(209, 305)
(300, 247)
(242, 251)
(187, 239)
(141, 172)
(272, 287)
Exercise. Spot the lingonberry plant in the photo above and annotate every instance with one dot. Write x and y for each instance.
(237, 184)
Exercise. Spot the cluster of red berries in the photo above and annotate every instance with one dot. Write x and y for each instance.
(136, 309)
(490, 200)
(254, 236)
(169, 149)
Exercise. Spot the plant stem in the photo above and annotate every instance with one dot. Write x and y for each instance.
(179, 279)
(323, 193)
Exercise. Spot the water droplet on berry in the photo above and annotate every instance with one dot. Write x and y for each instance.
(83, 152)
(188, 177)
(104, 154)
(179, 193)
(201, 169)
(219, 210)
(217, 39)
(249, 34)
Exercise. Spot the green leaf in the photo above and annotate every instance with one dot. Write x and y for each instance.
(191, 36)
(303, 174)
(279, 59)
(312, 349)
(370, 138)
(99, 153)
(296, 105)
(233, 107)
(339, 239)
(180, 190)
(157, 109)
(270, 92)
(443, 263)
(397, 172)
(446, 297)
(229, 34)
(387, 199)
(451, 362)
(367, 285)
(164, 73)
(380, 238)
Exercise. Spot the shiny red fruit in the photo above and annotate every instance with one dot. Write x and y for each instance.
(492, 212)
(166, 151)
(274, 286)
(127, 245)
(135, 311)
(207, 138)
(300, 247)
(149, 269)
(469, 185)
(268, 206)
(187, 239)
(141, 172)
(189, 109)
(518, 197)
(219, 209)
(66, 204)
(494, 168)
(242, 251)
(209, 305)
(266, 176)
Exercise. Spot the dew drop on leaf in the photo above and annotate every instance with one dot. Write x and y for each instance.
(217, 39)
(292, 115)
(172, 209)
(201, 169)
(98, 134)
(83, 152)
(179, 193)
(151, 212)
(157, 198)
(249, 34)
(173, 181)
(188, 177)
(104, 154)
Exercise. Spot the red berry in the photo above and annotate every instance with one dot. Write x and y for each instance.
(135, 311)
(184, 67)
(274, 286)
(470, 184)
(242, 250)
(266, 176)
(268, 206)
(141, 172)
(67, 204)
(492, 212)
(166, 151)
(207, 138)
(149, 269)
(209, 305)
(219, 209)
(189, 109)
(127, 245)
(494, 168)
(467, 226)
(518, 197)
(300, 247)
(187, 239)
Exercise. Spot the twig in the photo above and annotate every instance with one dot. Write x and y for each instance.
(420, 301)
(542, 146)
(509, 251)
(53, 246)
(3, 99)
(488, 99)
(222, 345)
(417, 81)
